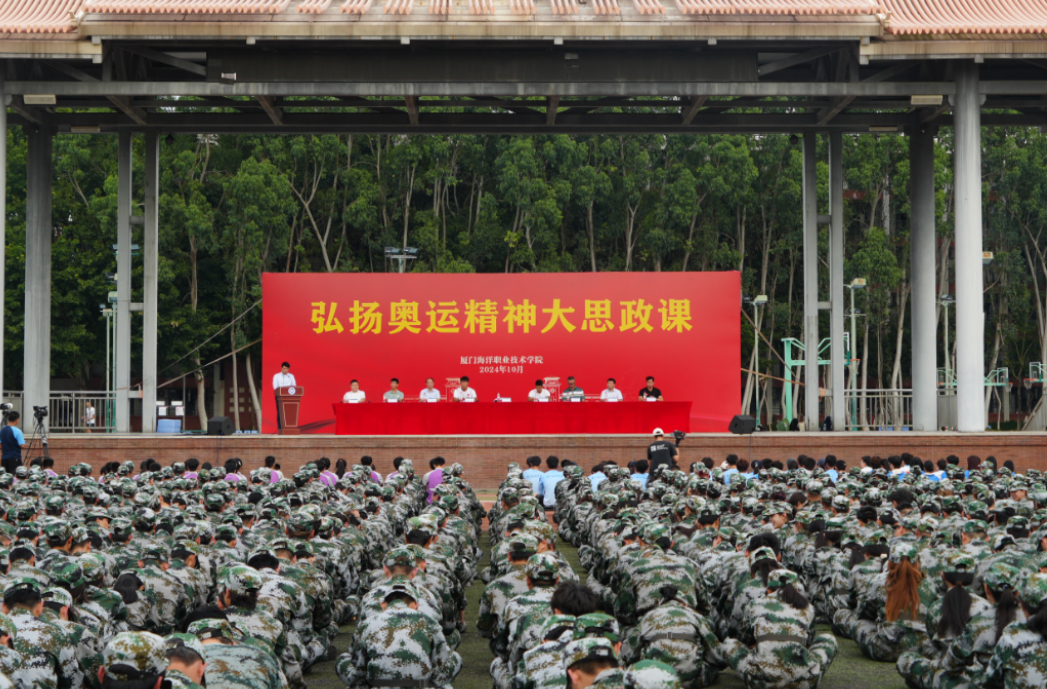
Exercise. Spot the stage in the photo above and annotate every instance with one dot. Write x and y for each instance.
(486, 456)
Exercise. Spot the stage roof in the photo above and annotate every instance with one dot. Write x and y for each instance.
(516, 66)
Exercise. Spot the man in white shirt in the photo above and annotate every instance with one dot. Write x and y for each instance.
(283, 379)
(539, 394)
(611, 394)
(355, 394)
(430, 393)
(464, 393)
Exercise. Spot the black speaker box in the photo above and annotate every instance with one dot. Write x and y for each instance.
(742, 425)
(223, 425)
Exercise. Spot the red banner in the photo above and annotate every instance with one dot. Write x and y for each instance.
(504, 332)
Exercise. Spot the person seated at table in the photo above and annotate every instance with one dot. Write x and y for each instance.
(393, 394)
(355, 394)
(539, 394)
(611, 394)
(464, 393)
(650, 392)
(429, 393)
(572, 392)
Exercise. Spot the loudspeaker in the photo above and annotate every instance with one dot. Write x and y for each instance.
(742, 425)
(221, 425)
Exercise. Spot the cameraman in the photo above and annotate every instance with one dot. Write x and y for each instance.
(12, 441)
(661, 452)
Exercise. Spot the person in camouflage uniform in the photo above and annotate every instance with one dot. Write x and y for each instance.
(185, 661)
(50, 659)
(134, 657)
(399, 647)
(1019, 660)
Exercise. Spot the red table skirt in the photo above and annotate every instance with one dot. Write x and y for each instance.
(510, 418)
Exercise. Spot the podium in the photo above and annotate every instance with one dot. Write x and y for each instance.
(288, 403)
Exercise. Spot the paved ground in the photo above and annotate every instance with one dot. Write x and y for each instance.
(850, 670)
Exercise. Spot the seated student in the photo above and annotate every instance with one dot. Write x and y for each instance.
(393, 394)
(641, 472)
(464, 393)
(611, 394)
(533, 473)
(596, 475)
(355, 394)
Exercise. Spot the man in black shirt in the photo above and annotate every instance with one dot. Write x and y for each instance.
(650, 392)
(661, 452)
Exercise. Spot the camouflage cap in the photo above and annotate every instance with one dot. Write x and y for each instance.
(581, 650)
(906, 550)
(68, 573)
(60, 596)
(402, 589)
(543, 567)
(841, 502)
(652, 531)
(156, 552)
(240, 579)
(92, 566)
(762, 553)
(1001, 576)
(574, 471)
(302, 521)
(226, 532)
(21, 584)
(131, 656)
(214, 500)
(597, 624)
(449, 503)
(402, 556)
(213, 628)
(959, 561)
(121, 526)
(974, 526)
(185, 641)
(651, 674)
(1034, 592)
(57, 530)
(522, 545)
(555, 626)
(780, 578)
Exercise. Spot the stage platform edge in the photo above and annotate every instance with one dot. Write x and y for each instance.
(485, 457)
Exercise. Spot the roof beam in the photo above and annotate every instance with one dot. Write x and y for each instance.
(551, 109)
(793, 60)
(687, 114)
(18, 105)
(123, 103)
(151, 89)
(164, 58)
(275, 113)
(824, 116)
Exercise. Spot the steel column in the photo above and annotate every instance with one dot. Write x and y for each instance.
(970, 316)
(837, 353)
(810, 280)
(922, 237)
(123, 283)
(39, 229)
(151, 260)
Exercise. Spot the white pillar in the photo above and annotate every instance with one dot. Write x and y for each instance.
(970, 316)
(151, 259)
(837, 351)
(123, 283)
(810, 279)
(3, 221)
(38, 233)
(922, 238)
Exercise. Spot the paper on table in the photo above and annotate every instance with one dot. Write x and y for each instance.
(432, 400)
(391, 400)
(650, 399)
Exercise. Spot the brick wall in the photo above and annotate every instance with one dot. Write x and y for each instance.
(485, 457)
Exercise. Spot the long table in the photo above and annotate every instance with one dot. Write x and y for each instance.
(509, 418)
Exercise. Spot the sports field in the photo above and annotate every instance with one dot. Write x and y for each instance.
(850, 670)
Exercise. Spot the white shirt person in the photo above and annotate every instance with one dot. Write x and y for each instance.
(355, 394)
(464, 393)
(429, 393)
(283, 379)
(539, 394)
(610, 394)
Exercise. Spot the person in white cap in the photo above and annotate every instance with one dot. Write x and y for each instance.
(661, 452)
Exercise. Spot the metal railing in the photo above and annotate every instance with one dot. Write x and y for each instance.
(879, 410)
(68, 411)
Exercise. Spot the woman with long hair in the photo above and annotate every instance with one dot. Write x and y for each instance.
(963, 627)
(785, 655)
(1019, 659)
(890, 614)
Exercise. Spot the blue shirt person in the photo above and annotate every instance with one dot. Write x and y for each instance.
(12, 441)
(534, 474)
(641, 473)
(549, 481)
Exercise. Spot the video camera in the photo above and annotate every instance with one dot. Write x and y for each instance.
(679, 436)
(39, 413)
